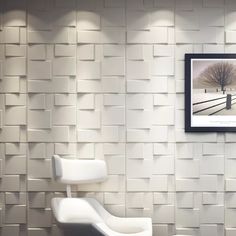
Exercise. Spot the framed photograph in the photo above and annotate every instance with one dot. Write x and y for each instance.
(210, 92)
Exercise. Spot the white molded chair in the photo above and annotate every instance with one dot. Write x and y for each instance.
(87, 210)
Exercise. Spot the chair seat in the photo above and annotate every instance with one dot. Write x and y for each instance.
(90, 211)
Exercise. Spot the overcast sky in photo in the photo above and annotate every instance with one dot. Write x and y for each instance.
(199, 65)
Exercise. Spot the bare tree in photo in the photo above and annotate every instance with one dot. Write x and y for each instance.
(220, 74)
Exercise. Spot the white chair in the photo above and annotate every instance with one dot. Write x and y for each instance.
(87, 210)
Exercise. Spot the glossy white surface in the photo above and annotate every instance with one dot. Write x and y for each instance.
(74, 171)
(87, 210)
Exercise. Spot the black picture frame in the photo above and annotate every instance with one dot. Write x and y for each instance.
(196, 66)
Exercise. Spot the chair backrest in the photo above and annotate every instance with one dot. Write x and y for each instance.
(76, 171)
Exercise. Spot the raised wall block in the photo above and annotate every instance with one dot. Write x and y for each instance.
(104, 79)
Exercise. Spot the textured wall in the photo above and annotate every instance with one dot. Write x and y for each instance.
(104, 80)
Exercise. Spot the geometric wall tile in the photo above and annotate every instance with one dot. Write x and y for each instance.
(15, 66)
(209, 229)
(163, 214)
(114, 17)
(10, 85)
(105, 80)
(14, 17)
(185, 200)
(39, 169)
(57, 134)
(187, 169)
(64, 99)
(155, 85)
(139, 168)
(113, 36)
(11, 35)
(15, 165)
(37, 200)
(39, 69)
(187, 218)
(40, 217)
(88, 70)
(88, 20)
(37, 52)
(212, 214)
(40, 119)
(15, 214)
(65, 50)
(113, 50)
(14, 198)
(89, 119)
(64, 66)
(163, 66)
(113, 66)
(134, 52)
(115, 165)
(86, 52)
(138, 70)
(15, 50)
(10, 183)
(11, 229)
(113, 116)
(15, 99)
(212, 165)
(64, 115)
(15, 115)
(162, 17)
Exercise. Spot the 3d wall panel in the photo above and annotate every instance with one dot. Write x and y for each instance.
(104, 79)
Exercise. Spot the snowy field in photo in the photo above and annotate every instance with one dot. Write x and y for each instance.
(199, 95)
